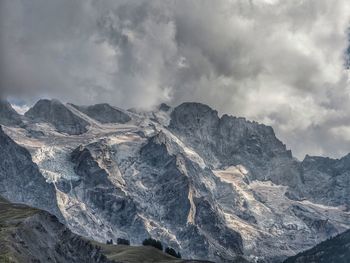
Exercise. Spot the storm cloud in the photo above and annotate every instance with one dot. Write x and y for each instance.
(282, 63)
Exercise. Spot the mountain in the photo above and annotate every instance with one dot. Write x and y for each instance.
(333, 250)
(104, 113)
(57, 114)
(230, 141)
(21, 180)
(32, 235)
(8, 116)
(326, 179)
(214, 188)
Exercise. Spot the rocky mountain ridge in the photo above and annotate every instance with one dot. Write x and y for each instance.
(213, 188)
(333, 250)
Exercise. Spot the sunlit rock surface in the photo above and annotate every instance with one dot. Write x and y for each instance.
(213, 188)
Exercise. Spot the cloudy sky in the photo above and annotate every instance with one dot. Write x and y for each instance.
(280, 62)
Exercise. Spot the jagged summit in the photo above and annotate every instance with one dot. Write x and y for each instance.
(104, 113)
(334, 250)
(230, 141)
(20, 178)
(227, 140)
(164, 107)
(213, 187)
(57, 114)
(8, 116)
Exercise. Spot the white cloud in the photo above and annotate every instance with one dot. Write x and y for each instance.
(280, 62)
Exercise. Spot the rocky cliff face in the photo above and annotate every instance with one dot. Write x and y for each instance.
(104, 113)
(8, 116)
(21, 180)
(213, 188)
(327, 180)
(230, 141)
(333, 250)
(57, 114)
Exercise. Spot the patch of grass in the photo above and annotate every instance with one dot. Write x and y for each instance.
(136, 254)
(13, 213)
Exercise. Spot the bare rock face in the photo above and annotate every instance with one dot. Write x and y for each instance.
(186, 203)
(212, 188)
(327, 180)
(96, 188)
(21, 180)
(104, 113)
(8, 116)
(229, 141)
(334, 250)
(57, 114)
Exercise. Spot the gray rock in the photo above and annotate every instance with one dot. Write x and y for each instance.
(178, 184)
(333, 250)
(8, 116)
(229, 141)
(96, 188)
(327, 180)
(164, 107)
(104, 113)
(21, 180)
(55, 113)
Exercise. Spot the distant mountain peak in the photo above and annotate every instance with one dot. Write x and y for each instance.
(8, 115)
(104, 113)
(57, 114)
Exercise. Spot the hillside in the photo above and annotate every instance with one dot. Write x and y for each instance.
(214, 188)
(334, 250)
(32, 235)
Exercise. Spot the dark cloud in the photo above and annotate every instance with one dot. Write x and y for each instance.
(277, 62)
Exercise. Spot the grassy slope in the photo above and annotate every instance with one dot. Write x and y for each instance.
(11, 216)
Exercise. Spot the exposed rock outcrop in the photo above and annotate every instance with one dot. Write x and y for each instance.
(333, 250)
(213, 188)
(57, 114)
(230, 141)
(21, 180)
(8, 116)
(104, 113)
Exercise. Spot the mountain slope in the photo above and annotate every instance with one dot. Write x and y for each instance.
(29, 234)
(8, 116)
(230, 141)
(57, 114)
(104, 113)
(327, 179)
(21, 180)
(213, 188)
(334, 250)
(32, 235)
